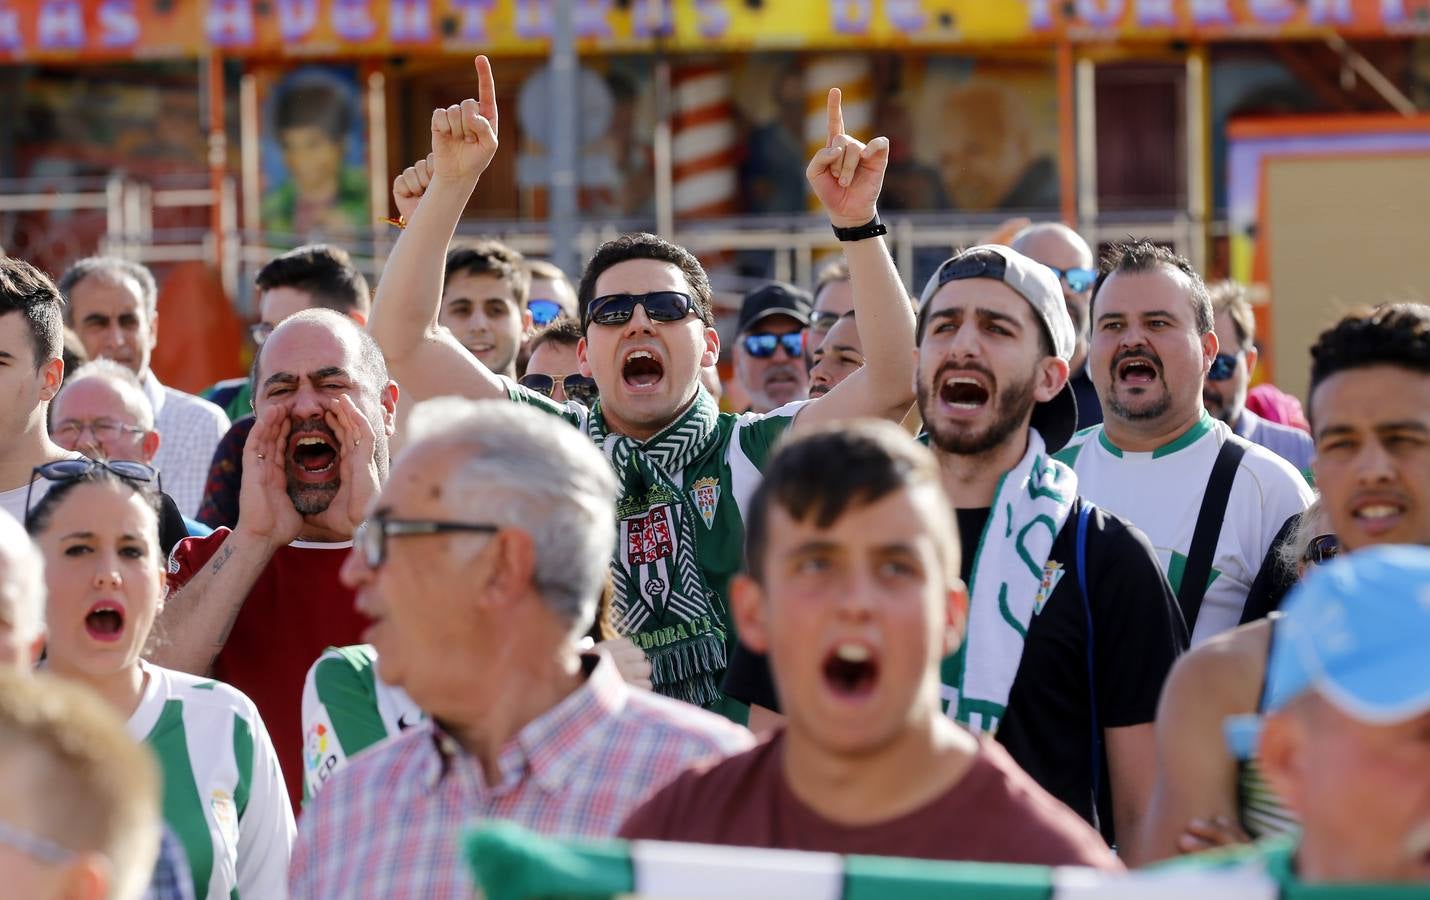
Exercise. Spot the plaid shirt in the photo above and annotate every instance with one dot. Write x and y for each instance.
(389, 824)
(189, 431)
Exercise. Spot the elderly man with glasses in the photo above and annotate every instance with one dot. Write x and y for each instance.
(102, 412)
(479, 566)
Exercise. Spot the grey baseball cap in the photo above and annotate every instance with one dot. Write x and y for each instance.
(1056, 420)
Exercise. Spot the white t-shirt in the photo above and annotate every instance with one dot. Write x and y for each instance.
(1161, 493)
(13, 502)
(224, 796)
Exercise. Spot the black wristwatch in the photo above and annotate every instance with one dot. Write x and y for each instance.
(871, 228)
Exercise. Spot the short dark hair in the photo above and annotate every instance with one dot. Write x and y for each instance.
(490, 258)
(324, 272)
(112, 266)
(821, 474)
(26, 290)
(38, 518)
(314, 101)
(562, 330)
(1141, 255)
(641, 245)
(72, 352)
(372, 365)
(1392, 334)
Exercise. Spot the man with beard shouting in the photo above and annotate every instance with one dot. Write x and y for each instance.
(256, 605)
(1071, 625)
(1211, 503)
(686, 470)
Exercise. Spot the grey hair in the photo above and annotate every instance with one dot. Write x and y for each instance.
(528, 470)
(111, 266)
(123, 380)
(22, 578)
(1293, 549)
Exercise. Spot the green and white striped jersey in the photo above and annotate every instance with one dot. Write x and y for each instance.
(224, 796)
(511, 863)
(347, 708)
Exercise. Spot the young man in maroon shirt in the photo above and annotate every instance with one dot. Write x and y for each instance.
(854, 595)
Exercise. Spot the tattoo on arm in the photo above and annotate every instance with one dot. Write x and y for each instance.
(218, 563)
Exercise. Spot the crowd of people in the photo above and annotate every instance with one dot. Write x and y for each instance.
(1012, 571)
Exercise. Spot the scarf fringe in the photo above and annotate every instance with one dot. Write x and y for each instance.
(686, 670)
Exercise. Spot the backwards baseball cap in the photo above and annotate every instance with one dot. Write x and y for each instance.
(1355, 632)
(1055, 420)
(774, 299)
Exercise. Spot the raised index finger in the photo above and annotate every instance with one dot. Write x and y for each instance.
(486, 91)
(836, 116)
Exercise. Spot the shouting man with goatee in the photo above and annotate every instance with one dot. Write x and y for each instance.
(1211, 503)
(256, 605)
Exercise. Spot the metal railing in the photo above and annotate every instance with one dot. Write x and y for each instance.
(740, 251)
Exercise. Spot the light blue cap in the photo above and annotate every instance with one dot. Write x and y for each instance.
(1356, 631)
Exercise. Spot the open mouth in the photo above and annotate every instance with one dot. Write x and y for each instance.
(1379, 514)
(964, 393)
(851, 671)
(1137, 371)
(313, 455)
(642, 370)
(105, 621)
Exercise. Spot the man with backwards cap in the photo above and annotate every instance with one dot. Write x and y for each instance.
(1068, 702)
(1346, 738)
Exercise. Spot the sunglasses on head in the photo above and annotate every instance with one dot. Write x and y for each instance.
(1322, 548)
(1077, 279)
(69, 469)
(1224, 366)
(543, 312)
(762, 344)
(577, 387)
(660, 306)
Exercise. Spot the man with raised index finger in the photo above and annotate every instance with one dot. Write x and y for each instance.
(685, 469)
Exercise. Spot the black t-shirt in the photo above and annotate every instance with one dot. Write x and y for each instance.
(1137, 634)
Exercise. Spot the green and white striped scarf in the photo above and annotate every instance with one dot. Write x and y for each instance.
(511, 863)
(1010, 582)
(662, 601)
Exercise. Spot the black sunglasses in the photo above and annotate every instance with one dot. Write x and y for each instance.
(1322, 548)
(660, 306)
(577, 386)
(761, 345)
(69, 469)
(370, 538)
(1077, 278)
(1224, 366)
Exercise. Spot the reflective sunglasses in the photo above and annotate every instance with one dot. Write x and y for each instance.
(543, 312)
(577, 386)
(762, 344)
(370, 538)
(1322, 548)
(1077, 279)
(822, 320)
(71, 430)
(69, 469)
(660, 306)
(1224, 366)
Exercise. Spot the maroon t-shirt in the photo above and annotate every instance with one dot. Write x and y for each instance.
(296, 610)
(994, 813)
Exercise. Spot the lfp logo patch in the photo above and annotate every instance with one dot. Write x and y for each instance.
(706, 494)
